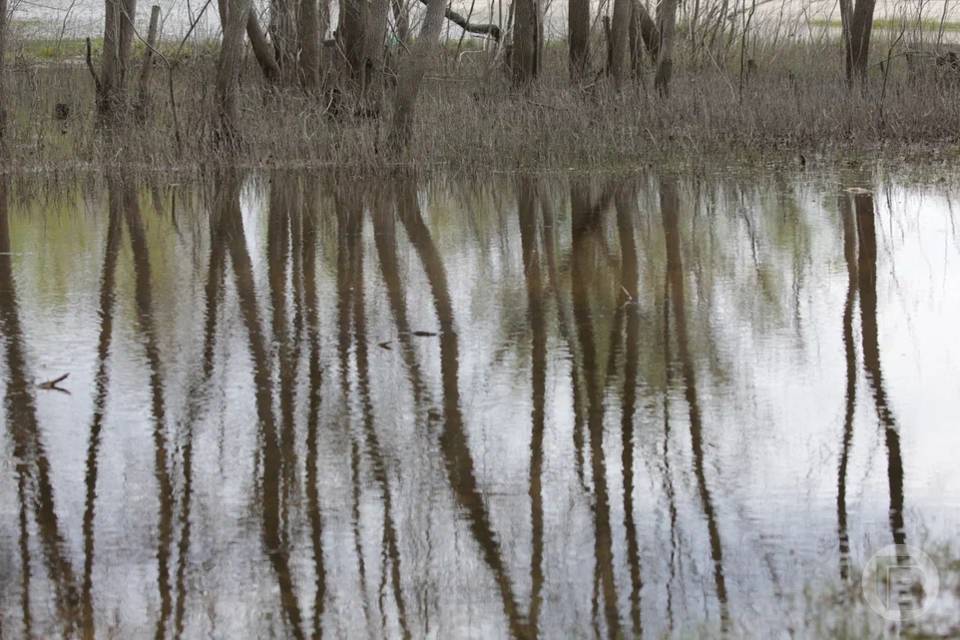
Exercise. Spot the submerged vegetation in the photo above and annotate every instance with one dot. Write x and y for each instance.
(500, 95)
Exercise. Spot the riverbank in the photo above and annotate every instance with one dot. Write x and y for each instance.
(788, 101)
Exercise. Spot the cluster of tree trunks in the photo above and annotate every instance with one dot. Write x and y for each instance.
(289, 51)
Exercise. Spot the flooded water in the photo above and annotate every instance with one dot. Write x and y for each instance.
(555, 406)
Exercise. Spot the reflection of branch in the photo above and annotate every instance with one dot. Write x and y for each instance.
(274, 545)
(349, 210)
(849, 252)
(669, 211)
(101, 384)
(527, 212)
(584, 219)
(453, 440)
(25, 433)
(386, 245)
(371, 440)
(309, 262)
(626, 214)
(867, 286)
(21, 414)
(127, 199)
(563, 320)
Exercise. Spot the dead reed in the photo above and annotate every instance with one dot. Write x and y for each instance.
(789, 100)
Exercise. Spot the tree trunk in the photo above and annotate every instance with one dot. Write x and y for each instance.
(578, 25)
(362, 31)
(228, 68)
(861, 24)
(262, 50)
(401, 19)
(846, 15)
(143, 100)
(309, 45)
(285, 36)
(526, 41)
(117, 41)
(3, 50)
(350, 33)
(412, 72)
(668, 23)
(644, 34)
(619, 42)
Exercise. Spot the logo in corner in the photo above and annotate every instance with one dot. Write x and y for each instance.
(900, 583)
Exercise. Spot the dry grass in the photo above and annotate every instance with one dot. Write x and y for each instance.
(469, 117)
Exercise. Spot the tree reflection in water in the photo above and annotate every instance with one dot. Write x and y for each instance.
(379, 472)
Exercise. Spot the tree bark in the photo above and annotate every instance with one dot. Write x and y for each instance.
(861, 24)
(262, 50)
(578, 25)
(619, 42)
(228, 68)
(411, 75)
(284, 36)
(668, 23)
(3, 50)
(350, 33)
(527, 32)
(117, 41)
(143, 100)
(309, 45)
(644, 34)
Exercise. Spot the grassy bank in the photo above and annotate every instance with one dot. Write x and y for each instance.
(792, 101)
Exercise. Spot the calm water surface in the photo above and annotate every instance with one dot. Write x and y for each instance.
(538, 406)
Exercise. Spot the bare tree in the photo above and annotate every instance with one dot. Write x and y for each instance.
(644, 34)
(228, 66)
(262, 50)
(667, 23)
(309, 34)
(619, 40)
(578, 26)
(857, 23)
(3, 49)
(527, 35)
(117, 41)
(412, 74)
(285, 36)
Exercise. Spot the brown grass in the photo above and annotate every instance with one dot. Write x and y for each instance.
(470, 117)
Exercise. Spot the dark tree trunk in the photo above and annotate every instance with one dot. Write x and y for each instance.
(3, 50)
(644, 34)
(143, 100)
(285, 36)
(527, 31)
(361, 35)
(350, 34)
(857, 46)
(619, 41)
(228, 68)
(412, 72)
(117, 40)
(668, 23)
(262, 50)
(309, 45)
(578, 25)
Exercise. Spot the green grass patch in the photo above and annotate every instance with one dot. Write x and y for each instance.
(929, 24)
